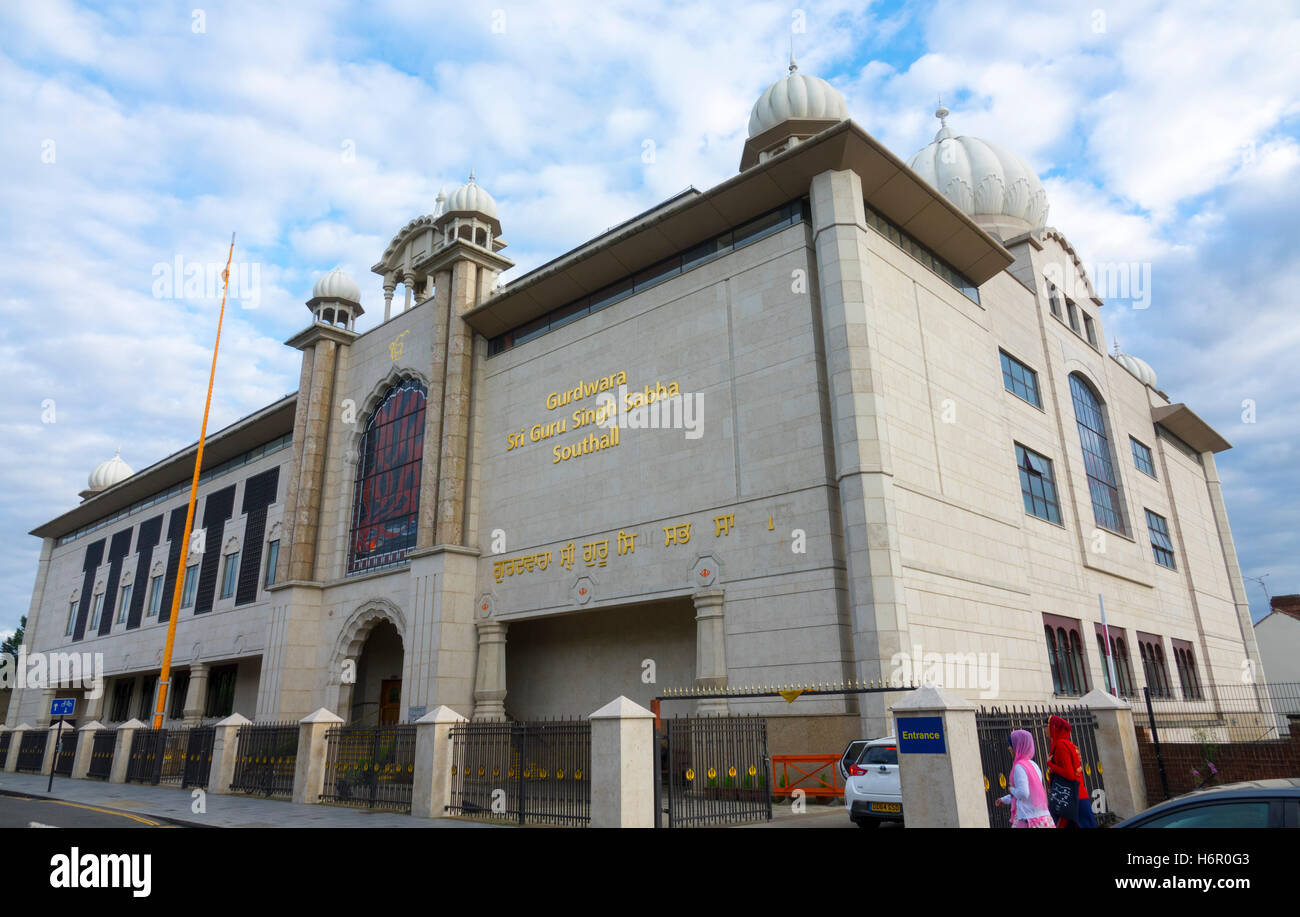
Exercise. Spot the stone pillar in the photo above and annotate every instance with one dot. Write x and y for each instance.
(225, 751)
(453, 461)
(309, 769)
(56, 731)
(490, 671)
(320, 348)
(431, 460)
(43, 718)
(85, 746)
(196, 693)
(710, 651)
(408, 284)
(93, 707)
(15, 743)
(876, 613)
(1235, 582)
(944, 789)
(122, 749)
(1118, 755)
(390, 284)
(622, 766)
(431, 793)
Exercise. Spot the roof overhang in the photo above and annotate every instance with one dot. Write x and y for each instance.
(1179, 420)
(274, 420)
(887, 184)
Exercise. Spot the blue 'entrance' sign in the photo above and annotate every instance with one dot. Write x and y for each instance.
(921, 735)
(63, 706)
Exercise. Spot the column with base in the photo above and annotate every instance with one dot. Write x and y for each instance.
(710, 651)
(490, 672)
(309, 769)
(85, 748)
(943, 786)
(196, 693)
(622, 766)
(1119, 759)
(431, 792)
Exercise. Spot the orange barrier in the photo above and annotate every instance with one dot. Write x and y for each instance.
(816, 775)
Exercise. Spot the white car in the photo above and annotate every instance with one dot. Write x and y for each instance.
(872, 793)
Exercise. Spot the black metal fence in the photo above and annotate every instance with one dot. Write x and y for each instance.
(145, 761)
(6, 739)
(536, 772)
(994, 727)
(370, 766)
(66, 752)
(198, 756)
(31, 752)
(714, 770)
(101, 753)
(1217, 734)
(267, 756)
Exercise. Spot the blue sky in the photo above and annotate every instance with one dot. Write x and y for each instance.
(1164, 133)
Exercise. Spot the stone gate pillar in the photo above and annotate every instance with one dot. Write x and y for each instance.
(710, 651)
(490, 671)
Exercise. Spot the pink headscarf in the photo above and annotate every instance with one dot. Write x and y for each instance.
(1022, 748)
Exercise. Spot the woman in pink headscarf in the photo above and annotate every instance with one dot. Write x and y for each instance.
(1028, 796)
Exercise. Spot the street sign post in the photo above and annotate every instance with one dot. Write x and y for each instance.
(61, 707)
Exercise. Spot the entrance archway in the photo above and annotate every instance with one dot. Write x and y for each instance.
(369, 660)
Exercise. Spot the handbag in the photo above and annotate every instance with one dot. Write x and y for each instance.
(1063, 798)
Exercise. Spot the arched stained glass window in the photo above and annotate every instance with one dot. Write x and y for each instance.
(1106, 507)
(387, 498)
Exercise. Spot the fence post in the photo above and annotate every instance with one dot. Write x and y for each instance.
(225, 751)
(15, 743)
(309, 767)
(942, 789)
(122, 749)
(431, 792)
(622, 766)
(1118, 753)
(85, 745)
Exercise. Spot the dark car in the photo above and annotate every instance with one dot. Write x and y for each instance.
(1250, 804)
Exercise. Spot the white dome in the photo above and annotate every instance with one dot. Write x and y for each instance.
(105, 475)
(796, 95)
(337, 285)
(1140, 369)
(994, 187)
(470, 198)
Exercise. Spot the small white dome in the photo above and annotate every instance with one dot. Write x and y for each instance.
(994, 187)
(796, 95)
(337, 285)
(1140, 369)
(105, 475)
(470, 198)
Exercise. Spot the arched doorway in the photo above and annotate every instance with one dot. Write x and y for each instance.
(377, 692)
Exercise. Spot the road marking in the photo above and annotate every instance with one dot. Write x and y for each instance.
(36, 824)
(139, 818)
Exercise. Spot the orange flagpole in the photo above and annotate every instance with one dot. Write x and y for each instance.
(164, 680)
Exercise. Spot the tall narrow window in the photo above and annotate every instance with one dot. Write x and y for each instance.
(97, 608)
(1089, 329)
(121, 709)
(272, 558)
(1073, 311)
(1153, 665)
(1019, 379)
(190, 585)
(1185, 659)
(1065, 655)
(387, 500)
(1037, 486)
(145, 710)
(1119, 659)
(155, 595)
(1161, 546)
(72, 619)
(1097, 461)
(1142, 457)
(1054, 300)
(122, 605)
(177, 695)
(229, 574)
(221, 691)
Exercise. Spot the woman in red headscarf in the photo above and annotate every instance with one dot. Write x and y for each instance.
(1063, 761)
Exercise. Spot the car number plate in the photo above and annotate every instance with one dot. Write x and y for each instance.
(887, 807)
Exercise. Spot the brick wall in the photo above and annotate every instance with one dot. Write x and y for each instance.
(1235, 761)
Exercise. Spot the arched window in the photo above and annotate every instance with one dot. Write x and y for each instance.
(387, 500)
(1106, 507)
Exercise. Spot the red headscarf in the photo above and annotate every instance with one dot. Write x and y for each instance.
(1064, 757)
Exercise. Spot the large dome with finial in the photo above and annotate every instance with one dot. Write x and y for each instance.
(106, 474)
(337, 285)
(994, 187)
(470, 198)
(796, 95)
(1139, 368)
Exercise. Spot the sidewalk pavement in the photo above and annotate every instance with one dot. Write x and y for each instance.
(234, 811)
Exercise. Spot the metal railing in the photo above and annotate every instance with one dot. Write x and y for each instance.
(145, 756)
(536, 772)
(715, 770)
(993, 728)
(101, 753)
(370, 766)
(267, 756)
(815, 776)
(6, 739)
(31, 751)
(67, 751)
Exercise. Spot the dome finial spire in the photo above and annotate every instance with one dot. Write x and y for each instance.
(471, 175)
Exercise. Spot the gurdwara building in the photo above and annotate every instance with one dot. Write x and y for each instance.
(827, 422)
